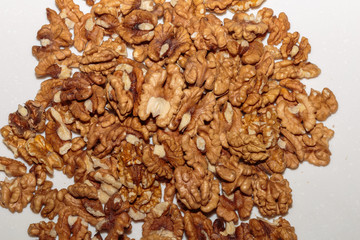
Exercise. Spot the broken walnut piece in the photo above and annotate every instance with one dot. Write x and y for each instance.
(271, 195)
(164, 221)
(16, 193)
(244, 5)
(161, 94)
(124, 87)
(316, 149)
(287, 69)
(102, 59)
(169, 42)
(325, 103)
(297, 118)
(54, 35)
(245, 27)
(82, 190)
(234, 174)
(117, 219)
(43, 230)
(217, 6)
(57, 133)
(28, 120)
(196, 188)
(153, 159)
(71, 226)
(207, 33)
(138, 27)
(41, 152)
(87, 33)
(277, 26)
(197, 226)
(236, 202)
(11, 167)
(279, 229)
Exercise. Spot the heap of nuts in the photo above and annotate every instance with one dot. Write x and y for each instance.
(202, 119)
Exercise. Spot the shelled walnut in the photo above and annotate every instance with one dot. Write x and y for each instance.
(213, 110)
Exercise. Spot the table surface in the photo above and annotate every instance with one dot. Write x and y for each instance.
(326, 199)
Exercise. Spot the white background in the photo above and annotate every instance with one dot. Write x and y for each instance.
(326, 199)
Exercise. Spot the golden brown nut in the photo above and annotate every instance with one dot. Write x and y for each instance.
(287, 69)
(15, 144)
(297, 118)
(227, 206)
(17, 193)
(197, 226)
(180, 12)
(243, 5)
(217, 6)
(28, 120)
(12, 167)
(124, 87)
(245, 27)
(87, 33)
(168, 43)
(163, 222)
(117, 219)
(207, 33)
(197, 115)
(161, 94)
(40, 151)
(56, 133)
(71, 226)
(250, 140)
(271, 195)
(188, 104)
(222, 69)
(278, 26)
(82, 190)
(138, 27)
(57, 64)
(54, 35)
(234, 174)
(325, 103)
(40, 174)
(102, 58)
(196, 187)
(280, 229)
(317, 147)
(43, 230)
(48, 89)
(154, 158)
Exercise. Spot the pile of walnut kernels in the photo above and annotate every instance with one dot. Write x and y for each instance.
(208, 115)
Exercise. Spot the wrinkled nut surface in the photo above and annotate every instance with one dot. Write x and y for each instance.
(206, 108)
